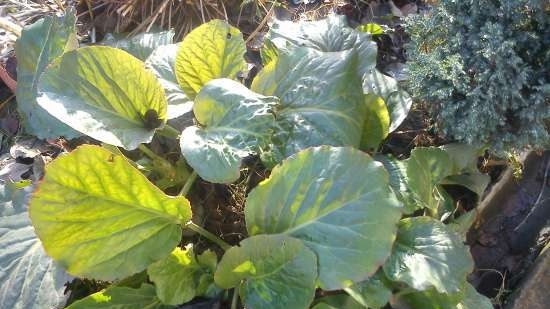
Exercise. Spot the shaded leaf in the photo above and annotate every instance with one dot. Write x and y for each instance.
(428, 254)
(474, 300)
(182, 276)
(431, 299)
(162, 61)
(340, 301)
(279, 272)
(39, 44)
(122, 298)
(99, 217)
(30, 279)
(321, 99)
(475, 182)
(372, 293)
(104, 93)
(141, 45)
(234, 123)
(338, 202)
(212, 50)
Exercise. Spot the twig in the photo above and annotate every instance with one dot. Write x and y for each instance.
(8, 25)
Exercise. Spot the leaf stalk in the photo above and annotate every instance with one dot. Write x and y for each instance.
(206, 234)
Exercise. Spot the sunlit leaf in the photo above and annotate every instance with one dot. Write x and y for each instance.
(338, 202)
(122, 298)
(99, 217)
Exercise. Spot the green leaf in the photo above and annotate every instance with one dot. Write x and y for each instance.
(397, 171)
(279, 272)
(473, 300)
(39, 44)
(431, 299)
(181, 276)
(122, 298)
(372, 293)
(338, 202)
(331, 34)
(321, 99)
(212, 50)
(105, 93)
(99, 217)
(426, 168)
(141, 45)
(428, 254)
(162, 62)
(234, 123)
(373, 29)
(475, 182)
(30, 279)
(464, 157)
(397, 101)
(377, 123)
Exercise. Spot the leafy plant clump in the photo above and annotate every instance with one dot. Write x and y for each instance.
(482, 66)
(330, 215)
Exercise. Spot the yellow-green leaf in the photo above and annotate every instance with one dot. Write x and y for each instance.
(105, 93)
(377, 123)
(212, 50)
(99, 217)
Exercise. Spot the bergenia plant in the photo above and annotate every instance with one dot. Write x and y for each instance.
(330, 216)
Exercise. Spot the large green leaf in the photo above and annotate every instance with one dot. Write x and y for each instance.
(141, 45)
(122, 298)
(337, 200)
(30, 279)
(338, 301)
(183, 275)
(430, 299)
(426, 168)
(234, 123)
(331, 34)
(321, 99)
(105, 93)
(39, 44)
(99, 217)
(279, 272)
(429, 254)
(162, 62)
(212, 50)
(372, 293)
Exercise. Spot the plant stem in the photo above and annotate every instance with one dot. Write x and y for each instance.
(206, 234)
(153, 156)
(187, 186)
(235, 299)
(169, 131)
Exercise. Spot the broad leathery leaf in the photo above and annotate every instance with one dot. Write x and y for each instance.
(331, 34)
(338, 202)
(104, 93)
(429, 254)
(99, 217)
(279, 272)
(234, 123)
(397, 101)
(116, 297)
(141, 45)
(426, 168)
(372, 293)
(377, 123)
(30, 279)
(464, 157)
(321, 99)
(39, 44)
(430, 299)
(212, 50)
(161, 62)
(473, 300)
(397, 171)
(475, 181)
(182, 276)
